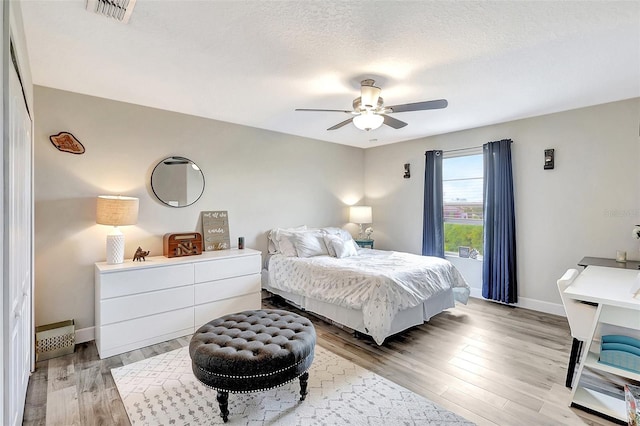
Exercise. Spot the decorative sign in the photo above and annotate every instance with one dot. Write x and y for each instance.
(66, 142)
(215, 228)
(185, 244)
(464, 251)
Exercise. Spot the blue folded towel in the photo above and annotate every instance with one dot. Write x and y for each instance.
(621, 348)
(621, 352)
(620, 359)
(626, 340)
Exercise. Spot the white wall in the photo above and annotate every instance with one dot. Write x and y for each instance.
(263, 179)
(586, 206)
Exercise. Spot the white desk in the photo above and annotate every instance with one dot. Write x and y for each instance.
(611, 289)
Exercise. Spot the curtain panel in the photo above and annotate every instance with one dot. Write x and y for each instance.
(499, 280)
(432, 223)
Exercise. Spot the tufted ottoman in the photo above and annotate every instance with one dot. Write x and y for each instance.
(252, 351)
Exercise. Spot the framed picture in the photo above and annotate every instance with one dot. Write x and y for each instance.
(463, 251)
(215, 230)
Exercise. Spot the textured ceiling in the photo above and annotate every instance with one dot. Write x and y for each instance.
(254, 62)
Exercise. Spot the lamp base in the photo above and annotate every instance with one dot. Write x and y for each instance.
(115, 247)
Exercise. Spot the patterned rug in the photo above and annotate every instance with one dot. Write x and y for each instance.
(163, 391)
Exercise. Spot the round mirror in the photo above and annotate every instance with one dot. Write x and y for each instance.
(177, 181)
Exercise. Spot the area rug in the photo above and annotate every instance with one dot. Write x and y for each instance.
(163, 391)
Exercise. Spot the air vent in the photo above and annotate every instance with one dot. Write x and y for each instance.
(119, 10)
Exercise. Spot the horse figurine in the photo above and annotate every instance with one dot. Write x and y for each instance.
(140, 255)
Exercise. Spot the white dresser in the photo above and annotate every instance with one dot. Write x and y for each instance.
(142, 303)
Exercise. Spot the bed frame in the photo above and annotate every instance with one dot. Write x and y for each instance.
(354, 320)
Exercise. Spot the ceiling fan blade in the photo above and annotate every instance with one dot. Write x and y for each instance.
(392, 122)
(420, 106)
(344, 123)
(324, 110)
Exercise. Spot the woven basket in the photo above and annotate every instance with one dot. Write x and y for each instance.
(57, 339)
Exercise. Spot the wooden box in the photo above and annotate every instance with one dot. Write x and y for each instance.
(183, 244)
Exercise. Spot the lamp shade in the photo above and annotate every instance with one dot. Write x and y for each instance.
(116, 210)
(360, 214)
(368, 120)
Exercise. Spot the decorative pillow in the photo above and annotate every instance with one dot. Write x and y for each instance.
(343, 248)
(344, 234)
(328, 241)
(347, 249)
(332, 230)
(271, 242)
(309, 244)
(277, 234)
(284, 242)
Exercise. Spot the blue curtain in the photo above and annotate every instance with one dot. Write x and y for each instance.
(432, 223)
(499, 267)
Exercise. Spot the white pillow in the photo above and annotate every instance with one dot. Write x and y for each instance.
(277, 235)
(272, 243)
(284, 242)
(344, 234)
(309, 244)
(328, 241)
(342, 248)
(345, 248)
(332, 230)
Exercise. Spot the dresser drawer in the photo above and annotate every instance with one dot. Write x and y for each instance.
(210, 311)
(226, 268)
(139, 304)
(145, 304)
(123, 283)
(141, 329)
(224, 289)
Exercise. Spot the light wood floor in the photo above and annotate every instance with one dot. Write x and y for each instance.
(490, 363)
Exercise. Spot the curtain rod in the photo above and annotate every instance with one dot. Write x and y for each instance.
(456, 150)
(462, 149)
(466, 149)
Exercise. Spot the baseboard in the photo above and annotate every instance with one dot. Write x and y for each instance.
(526, 303)
(85, 334)
(540, 306)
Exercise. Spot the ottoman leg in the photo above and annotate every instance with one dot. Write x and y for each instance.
(223, 401)
(303, 385)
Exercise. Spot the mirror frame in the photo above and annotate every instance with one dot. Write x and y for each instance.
(177, 158)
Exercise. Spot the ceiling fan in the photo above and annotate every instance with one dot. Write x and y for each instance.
(369, 111)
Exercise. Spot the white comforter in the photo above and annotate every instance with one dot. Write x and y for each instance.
(380, 283)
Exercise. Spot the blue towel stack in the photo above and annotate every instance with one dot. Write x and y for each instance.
(621, 352)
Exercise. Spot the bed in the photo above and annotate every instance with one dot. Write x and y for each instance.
(375, 292)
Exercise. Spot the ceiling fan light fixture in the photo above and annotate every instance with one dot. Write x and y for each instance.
(369, 96)
(368, 120)
(369, 111)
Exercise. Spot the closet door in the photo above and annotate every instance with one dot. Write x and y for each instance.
(18, 251)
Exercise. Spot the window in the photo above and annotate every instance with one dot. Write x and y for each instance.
(462, 179)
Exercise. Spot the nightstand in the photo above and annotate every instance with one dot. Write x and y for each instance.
(365, 243)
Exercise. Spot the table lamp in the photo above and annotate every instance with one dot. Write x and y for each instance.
(360, 215)
(116, 211)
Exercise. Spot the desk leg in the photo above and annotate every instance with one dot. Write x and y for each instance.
(585, 351)
(575, 353)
